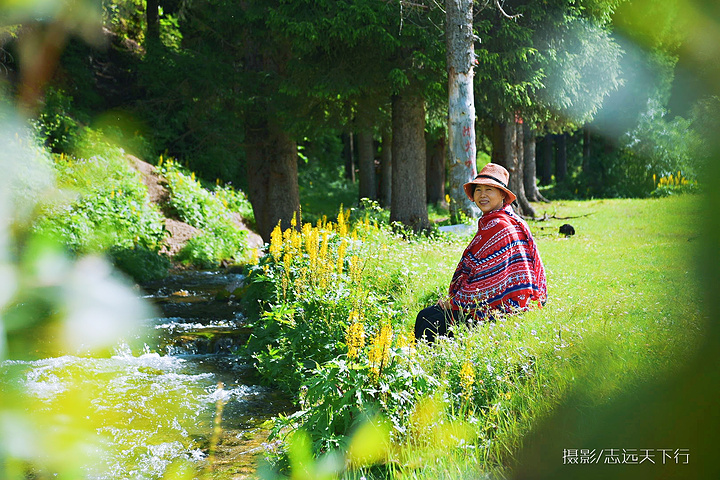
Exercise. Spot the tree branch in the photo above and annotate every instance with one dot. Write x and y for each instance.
(497, 4)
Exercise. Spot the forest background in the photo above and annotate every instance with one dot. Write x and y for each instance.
(308, 106)
(261, 95)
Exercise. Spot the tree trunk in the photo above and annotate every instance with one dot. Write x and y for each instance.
(349, 155)
(152, 33)
(409, 204)
(366, 163)
(548, 155)
(385, 193)
(435, 171)
(461, 104)
(512, 161)
(272, 179)
(561, 160)
(530, 171)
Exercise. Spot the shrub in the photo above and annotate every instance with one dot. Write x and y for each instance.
(307, 288)
(108, 206)
(55, 124)
(141, 263)
(209, 211)
(674, 185)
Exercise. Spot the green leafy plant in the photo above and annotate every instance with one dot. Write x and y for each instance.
(106, 205)
(56, 124)
(210, 211)
(674, 185)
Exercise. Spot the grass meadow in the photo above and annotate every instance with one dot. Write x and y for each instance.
(623, 311)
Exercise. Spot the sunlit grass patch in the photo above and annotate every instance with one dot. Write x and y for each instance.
(622, 309)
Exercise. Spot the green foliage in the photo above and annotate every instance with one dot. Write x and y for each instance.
(218, 242)
(58, 309)
(125, 18)
(344, 392)
(310, 289)
(324, 188)
(56, 125)
(109, 205)
(489, 385)
(140, 263)
(674, 185)
(209, 211)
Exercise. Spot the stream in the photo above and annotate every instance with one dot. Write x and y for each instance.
(153, 404)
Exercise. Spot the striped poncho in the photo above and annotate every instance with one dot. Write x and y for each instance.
(500, 270)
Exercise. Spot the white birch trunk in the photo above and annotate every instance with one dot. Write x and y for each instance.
(461, 104)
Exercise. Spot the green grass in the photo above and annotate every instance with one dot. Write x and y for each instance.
(623, 311)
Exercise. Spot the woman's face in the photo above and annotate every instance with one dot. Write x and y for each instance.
(488, 198)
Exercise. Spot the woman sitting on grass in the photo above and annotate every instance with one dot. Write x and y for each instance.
(500, 270)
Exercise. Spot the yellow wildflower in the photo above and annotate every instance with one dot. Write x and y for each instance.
(276, 242)
(379, 354)
(355, 269)
(341, 225)
(467, 378)
(254, 256)
(342, 248)
(354, 336)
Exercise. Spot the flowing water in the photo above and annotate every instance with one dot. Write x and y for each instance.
(153, 405)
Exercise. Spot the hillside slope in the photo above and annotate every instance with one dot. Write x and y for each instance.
(179, 232)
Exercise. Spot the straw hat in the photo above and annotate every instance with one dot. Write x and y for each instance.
(494, 175)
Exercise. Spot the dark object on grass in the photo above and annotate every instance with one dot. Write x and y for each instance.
(567, 229)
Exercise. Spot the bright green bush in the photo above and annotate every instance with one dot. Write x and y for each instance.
(674, 185)
(209, 211)
(56, 125)
(106, 205)
(141, 263)
(306, 291)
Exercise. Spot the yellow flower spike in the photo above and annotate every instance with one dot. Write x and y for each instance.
(354, 335)
(341, 225)
(324, 247)
(192, 176)
(341, 256)
(296, 240)
(287, 237)
(287, 261)
(355, 269)
(276, 242)
(293, 221)
(379, 354)
(654, 179)
(467, 378)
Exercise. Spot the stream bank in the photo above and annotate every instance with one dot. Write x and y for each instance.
(152, 403)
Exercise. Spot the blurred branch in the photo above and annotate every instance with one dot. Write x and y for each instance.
(497, 4)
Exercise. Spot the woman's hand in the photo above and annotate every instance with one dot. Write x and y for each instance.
(445, 303)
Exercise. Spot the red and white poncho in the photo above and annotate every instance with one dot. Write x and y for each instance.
(500, 270)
